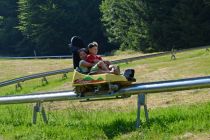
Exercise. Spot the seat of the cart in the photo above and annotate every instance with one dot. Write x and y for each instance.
(80, 79)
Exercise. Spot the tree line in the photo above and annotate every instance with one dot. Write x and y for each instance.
(45, 27)
(157, 25)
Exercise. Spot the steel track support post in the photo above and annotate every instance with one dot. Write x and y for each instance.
(138, 112)
(39, 108)
(44, 81)
(18, 86)
(141, 101)
(35, 114)
(173, 52)
(64, 76)
(44, 116)
(146, 113)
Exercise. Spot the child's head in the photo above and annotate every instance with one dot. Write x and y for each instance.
(82, 53)
(93, 48)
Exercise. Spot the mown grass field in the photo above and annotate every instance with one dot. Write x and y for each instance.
(175, 115)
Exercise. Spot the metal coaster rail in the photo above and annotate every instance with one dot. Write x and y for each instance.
(34, 76)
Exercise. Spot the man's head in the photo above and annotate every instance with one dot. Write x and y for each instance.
(93, 48)
(76, 41)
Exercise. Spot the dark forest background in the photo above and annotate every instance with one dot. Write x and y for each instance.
(46, 26)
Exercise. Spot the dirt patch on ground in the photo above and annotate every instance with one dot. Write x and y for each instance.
(177, 98)
(124, 56)
(10, 69)
(191, 136)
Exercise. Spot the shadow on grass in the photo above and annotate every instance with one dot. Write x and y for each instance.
(121, 126)
(118, 127)
(163, 123)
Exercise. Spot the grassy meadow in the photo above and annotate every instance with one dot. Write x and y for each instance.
(174, 115)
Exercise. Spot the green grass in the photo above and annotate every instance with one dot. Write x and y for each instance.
(55, 83)
(165, 123)
(111, 119)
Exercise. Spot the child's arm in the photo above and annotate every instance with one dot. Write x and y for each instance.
(86, 64)
(97, 59)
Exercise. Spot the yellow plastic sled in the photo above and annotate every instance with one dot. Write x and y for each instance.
(85, 84)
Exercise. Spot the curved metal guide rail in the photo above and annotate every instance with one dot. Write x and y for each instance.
(167, 86)
(153, 87)
(38, 97)
(34, 76)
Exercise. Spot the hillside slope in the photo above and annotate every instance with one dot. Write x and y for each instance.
(174, 115)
